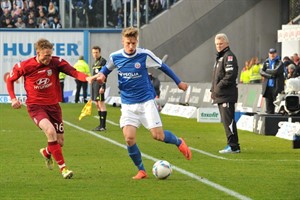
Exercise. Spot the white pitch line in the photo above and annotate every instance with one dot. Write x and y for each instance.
(187, 173)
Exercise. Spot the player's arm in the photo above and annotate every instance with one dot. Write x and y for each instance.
(66, 68)
(167, 70)
(15, 74)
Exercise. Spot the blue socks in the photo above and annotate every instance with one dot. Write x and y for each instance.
(136, 156)
(171, 138)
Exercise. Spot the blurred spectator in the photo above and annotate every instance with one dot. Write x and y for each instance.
(40, 17)
(286, 62)
(81, 66)
(52, 12)
(31, 8)
(42, 8)
(20, 23)
(94, 11)
(6, 4)
(156, 84)
(135, 14)
(9, 23)
(44, 23)
(255, 76)
(296, 59)
(245, 73)
(6, 14)
(18, 3)
(56, 23)
(31, 23)
(80, 12)
(292, 72)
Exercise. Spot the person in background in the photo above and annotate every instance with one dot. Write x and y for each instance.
(224, 91)
(56, 23)
(156, 84)
(292, 71)
(273, 82)
(41, 75)
(62, 77)
(98, 90)
(255, 76)
(137, 96)
(83, 67)
(245, 73)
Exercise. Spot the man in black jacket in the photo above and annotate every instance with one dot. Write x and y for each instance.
(273, 83)
(224, 91)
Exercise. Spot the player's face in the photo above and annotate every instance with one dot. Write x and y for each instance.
(96, 53)
(44, 56)
(220, 44)
(129, 44)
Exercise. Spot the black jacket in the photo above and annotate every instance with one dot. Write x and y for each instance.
(277, 74)
(224, 80)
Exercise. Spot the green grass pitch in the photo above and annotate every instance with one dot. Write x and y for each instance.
(267, 168)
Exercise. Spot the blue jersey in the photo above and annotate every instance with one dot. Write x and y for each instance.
(134, 82)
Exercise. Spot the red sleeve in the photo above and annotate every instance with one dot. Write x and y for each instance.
(15, 74)
(71, 71)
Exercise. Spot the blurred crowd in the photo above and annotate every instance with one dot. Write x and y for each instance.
(84, 13)
(30, 14)
(251, 70)
(90, 13)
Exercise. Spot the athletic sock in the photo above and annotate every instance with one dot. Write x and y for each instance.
(99, 113)
(136, 156)
(46, 153)
(103, 119)
(171, 138)
(56, 152)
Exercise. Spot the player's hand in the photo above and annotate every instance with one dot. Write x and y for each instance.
(101, 90)
(16, 104)
(89, 79)
(101, 78)
(183, 86)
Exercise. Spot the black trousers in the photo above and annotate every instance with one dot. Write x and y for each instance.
(227, 111)
(270, 97)
(79, 85)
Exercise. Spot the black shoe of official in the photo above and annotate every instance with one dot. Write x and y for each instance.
(99, 128)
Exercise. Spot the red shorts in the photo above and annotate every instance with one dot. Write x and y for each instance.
(51, 112)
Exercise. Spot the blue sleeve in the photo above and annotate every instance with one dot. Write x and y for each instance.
(105, 71)
(167, 70)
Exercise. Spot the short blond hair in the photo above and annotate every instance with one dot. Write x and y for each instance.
(130, 32)
(43, 44)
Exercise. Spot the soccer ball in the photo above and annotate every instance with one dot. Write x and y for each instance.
(162, 169)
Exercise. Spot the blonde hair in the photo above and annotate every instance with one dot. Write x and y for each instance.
(130, 32)
(43, 44)
(222, 36)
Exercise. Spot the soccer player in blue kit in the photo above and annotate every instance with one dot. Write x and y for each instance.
(137, 96)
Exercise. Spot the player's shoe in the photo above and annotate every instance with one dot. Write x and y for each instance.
(140, 175)
(67, 174)
(48, 161)
(185, 150)
(228, 149)
(99, 128)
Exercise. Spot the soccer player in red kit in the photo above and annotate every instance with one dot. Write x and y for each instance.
(41, 82)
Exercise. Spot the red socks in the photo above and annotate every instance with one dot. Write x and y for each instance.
(56, 151)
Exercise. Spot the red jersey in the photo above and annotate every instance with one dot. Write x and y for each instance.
(41, 81)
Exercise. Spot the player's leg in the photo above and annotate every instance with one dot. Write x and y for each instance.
(129, 122)
(151, 120)
(78, 88)
(103, 113)
(129, 133)
(84, 88)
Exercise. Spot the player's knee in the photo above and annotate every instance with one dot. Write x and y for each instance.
(60, 141)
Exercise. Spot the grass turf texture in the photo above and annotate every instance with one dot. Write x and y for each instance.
(267, 168)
